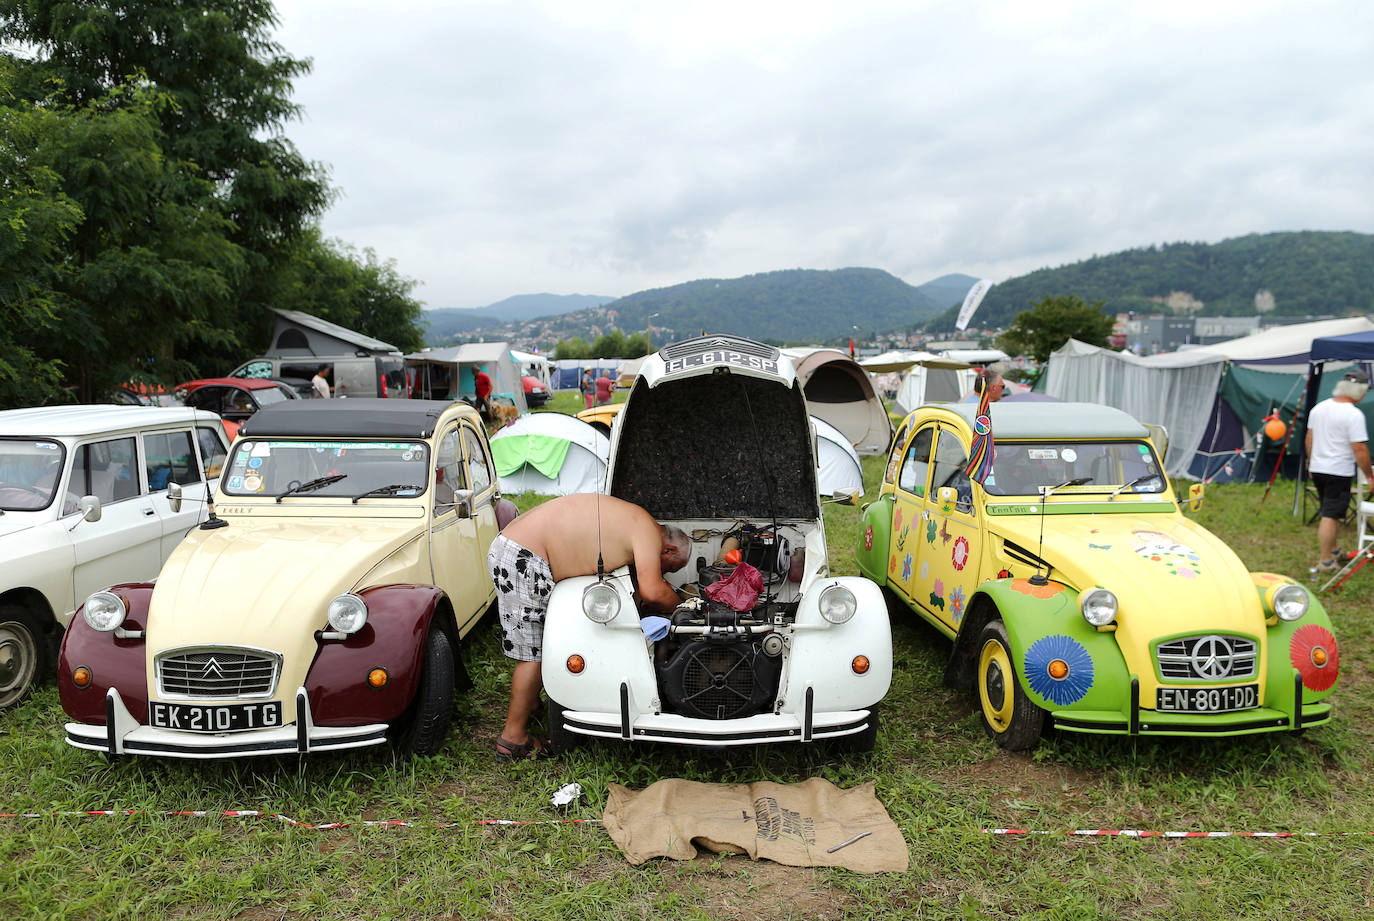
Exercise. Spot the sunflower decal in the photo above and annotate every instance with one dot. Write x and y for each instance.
(959, 555)
(956, 603)
(1059, 669)
(906, 568)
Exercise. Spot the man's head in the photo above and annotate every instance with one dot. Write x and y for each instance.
(991, 379)
(1353, 385)
(324, 371)
(677, 548)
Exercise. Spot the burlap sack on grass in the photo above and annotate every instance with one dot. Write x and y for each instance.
(792, 824)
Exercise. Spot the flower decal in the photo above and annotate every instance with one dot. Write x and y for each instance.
(1179, 559)
(930, 531)
(897, 520)
(906, 568)
(959, 556)
(1314, 653)
(956, 603)
(868, 537)
(1026, 587)
(1059, 669)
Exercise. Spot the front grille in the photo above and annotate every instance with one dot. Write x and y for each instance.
(1207, 658)
(720, 680)
(220, 672)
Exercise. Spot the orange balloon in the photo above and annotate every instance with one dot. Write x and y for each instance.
(1274, 430)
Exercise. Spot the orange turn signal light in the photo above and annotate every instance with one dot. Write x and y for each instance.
(576, 664)
(378, 678)
(81, 676)
(860, 665)
(1058, 669)
(1319, 656)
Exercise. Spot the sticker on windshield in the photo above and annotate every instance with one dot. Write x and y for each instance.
(252, 483)
(261, 449)
(1069, 455)
(1042, 453)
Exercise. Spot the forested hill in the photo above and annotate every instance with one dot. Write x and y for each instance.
(803, 305)
(1306, 273)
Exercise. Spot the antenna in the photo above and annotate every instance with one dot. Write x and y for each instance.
(1045, 492)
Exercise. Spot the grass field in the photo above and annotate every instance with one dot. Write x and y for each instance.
(938, 775)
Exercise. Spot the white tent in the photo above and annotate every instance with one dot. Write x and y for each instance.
(551, 454)
(534, 365)
(446, 374)
(1179, 389)
(837, 463)
(934, 379)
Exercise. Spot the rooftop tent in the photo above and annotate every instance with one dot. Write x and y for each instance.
(551, 454)
(838, 391)
(837, 463)
(446, 374)
(297, 334)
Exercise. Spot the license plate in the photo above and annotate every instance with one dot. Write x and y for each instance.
(718, 356)
(217, 718)
(1208, 700)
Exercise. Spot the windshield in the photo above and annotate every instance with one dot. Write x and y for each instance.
(1020, 468)
(265, 467)
(29, 471)
(269, 395)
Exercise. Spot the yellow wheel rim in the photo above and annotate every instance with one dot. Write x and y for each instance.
(995, 691)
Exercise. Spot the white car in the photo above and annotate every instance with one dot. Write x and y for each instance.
(715, 438)
(90, 496)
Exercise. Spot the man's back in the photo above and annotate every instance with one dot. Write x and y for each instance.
(564, 531)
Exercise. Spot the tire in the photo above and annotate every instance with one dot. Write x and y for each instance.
(861, 743)
(24, 655)
(1008, 715)
(562, 739)
(426, 721)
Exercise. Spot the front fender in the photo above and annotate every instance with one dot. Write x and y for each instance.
(822, 654)
(398, 621)
(1043, 623)
(874, 538)
(1291, 645)
(613, 653)
(113, 662)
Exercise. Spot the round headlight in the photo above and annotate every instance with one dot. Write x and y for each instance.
(104, 611)
(347, 613)
(1291, 601)
(838, 604)
(600, 602)
(1098, 607)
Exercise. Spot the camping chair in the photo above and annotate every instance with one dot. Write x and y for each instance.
(1364, 510)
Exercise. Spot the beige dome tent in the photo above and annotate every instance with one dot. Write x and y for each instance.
(839, 392)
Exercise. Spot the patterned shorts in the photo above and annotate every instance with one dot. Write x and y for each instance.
(523, 583)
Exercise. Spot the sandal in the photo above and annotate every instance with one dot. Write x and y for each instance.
(534, 748)
(1325, 566)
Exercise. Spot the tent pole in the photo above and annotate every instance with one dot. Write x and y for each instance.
(1283, 449)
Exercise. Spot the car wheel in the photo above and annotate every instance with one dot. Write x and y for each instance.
(563, 740)
(22, 655)
(426, 722)
(861, 743)
(1008, 715)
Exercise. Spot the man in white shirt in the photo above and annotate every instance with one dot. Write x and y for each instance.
(1337, 443)
(320, 382)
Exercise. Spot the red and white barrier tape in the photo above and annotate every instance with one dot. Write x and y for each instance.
(408, 823)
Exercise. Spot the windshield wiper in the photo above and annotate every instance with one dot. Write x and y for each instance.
(1047, 491)
(312, 484)
(391, 490)
(1137, 481)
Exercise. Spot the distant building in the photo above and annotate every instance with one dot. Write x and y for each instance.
(1209, 330)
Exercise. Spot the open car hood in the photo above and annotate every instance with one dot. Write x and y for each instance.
(726, 444)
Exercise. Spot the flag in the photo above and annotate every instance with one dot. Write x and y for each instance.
(851, 346)
(981, 452)
(971, 302)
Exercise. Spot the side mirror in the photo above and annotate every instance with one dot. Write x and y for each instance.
(948, 494)
(462, 501)
(845, 495)
(90, 508)
(174, 497)
(1196, 493)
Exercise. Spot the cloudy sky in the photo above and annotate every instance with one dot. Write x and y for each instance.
(500, 148)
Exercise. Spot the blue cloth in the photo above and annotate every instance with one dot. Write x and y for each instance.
(655, 627)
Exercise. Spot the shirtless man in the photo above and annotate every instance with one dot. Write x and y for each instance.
(556, 541)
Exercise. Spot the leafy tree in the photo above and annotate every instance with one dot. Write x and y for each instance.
(636, 346)
(572, 349)
(1052, 322)
(609, 345)
(36, 220)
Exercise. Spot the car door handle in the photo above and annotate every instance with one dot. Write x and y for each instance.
(149, 511)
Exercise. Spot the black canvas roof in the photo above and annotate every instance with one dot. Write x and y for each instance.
(347, 417)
